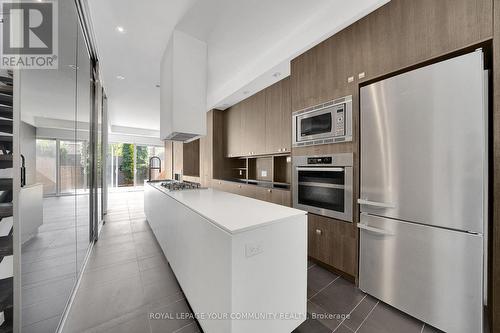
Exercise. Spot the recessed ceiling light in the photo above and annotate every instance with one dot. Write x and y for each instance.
(120, 29)
(120, 77)
(157, 86)
(277, 74)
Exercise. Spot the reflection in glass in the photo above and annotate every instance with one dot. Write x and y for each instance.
(73, 167)
(46, 162)
(49, 249)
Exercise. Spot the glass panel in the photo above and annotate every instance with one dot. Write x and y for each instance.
(142, 165)
(71, 176)
(322, 197)
(125, 165)
(316, 125)
(46, 161)
(322, 189)
(98, 157)
(83, 116)
(48, 240)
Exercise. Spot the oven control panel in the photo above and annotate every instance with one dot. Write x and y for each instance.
(320, 160)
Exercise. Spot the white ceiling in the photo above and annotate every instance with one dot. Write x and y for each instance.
(248, 41)
(135, 54)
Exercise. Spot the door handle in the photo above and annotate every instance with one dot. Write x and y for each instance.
(374, 230)
(376, 204)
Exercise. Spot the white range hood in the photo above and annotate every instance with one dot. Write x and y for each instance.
(183, 88)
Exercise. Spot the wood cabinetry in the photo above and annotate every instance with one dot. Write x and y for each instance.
(253, 125)
(330, 241)
(278, 117)
(321, 74)
(399, 34)
(233, 131)
(406, 32)
(191, 158)
(260, 124)
(277, 196)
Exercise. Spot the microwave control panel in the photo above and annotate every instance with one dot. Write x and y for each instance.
(339, 121)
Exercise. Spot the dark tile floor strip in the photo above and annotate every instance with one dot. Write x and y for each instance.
(128, 286)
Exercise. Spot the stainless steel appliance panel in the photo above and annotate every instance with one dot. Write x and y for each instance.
(326, 123)
(323, 185)
(432, 273)
(423, 145)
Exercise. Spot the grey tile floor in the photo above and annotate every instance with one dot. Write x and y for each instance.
(128, 278)
(50, 261)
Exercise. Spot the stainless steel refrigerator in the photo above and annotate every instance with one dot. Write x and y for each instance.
(423, 198)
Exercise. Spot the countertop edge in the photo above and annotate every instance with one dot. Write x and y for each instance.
(218, 225)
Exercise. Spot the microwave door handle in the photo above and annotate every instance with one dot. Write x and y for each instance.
(376, 204)
(319, 169)
(374, 230)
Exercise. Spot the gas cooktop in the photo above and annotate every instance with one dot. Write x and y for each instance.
(175, 185)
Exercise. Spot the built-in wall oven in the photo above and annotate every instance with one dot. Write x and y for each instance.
(323, 185)
(326, 123)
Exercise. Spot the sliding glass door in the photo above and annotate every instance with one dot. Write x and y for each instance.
(128, 164)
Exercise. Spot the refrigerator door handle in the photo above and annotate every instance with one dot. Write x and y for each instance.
(376, 204)
(374, 230)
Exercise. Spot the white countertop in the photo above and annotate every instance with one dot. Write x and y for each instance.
(231, 212)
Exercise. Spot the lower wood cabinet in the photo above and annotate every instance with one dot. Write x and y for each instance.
(333, 243)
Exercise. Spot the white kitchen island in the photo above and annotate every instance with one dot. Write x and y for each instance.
(241, 262)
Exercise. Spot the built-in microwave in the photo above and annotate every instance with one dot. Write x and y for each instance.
(323, 185)
(329, 122)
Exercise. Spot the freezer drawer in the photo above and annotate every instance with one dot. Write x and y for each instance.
(423, 145)
(430, 273)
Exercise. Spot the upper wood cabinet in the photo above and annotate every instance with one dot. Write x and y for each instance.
(407, 32)
(260, 124)
(253, 124)
(278, 118)
(321, 74)
(398, 35)
(233, 131)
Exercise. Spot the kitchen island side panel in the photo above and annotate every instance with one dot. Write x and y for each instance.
(269, 276)
(199, 254)
(260, 270)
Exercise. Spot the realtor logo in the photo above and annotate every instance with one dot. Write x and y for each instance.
(29, 35)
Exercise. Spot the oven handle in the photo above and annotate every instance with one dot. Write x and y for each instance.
(326, 185)
(319, 169)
